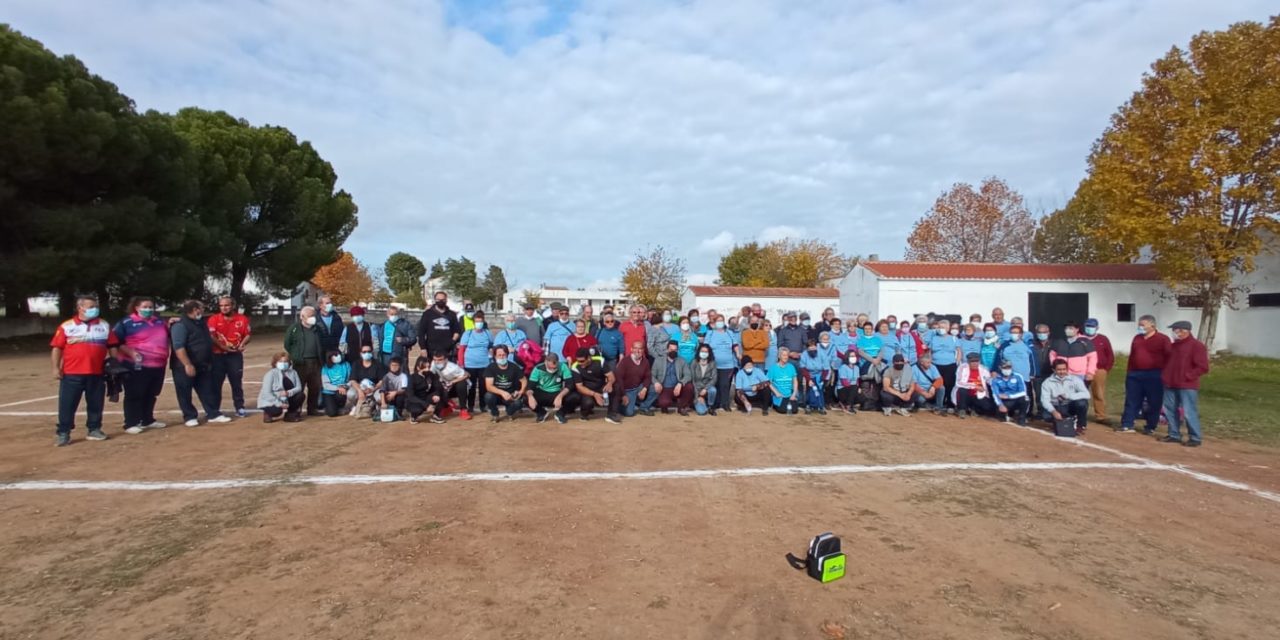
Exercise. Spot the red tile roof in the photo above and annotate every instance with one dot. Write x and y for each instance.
(986, 271)
(764, 292)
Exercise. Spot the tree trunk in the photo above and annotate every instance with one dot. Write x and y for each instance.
(1209, 323)
(66, 303)
(16, 306)
(239, 272)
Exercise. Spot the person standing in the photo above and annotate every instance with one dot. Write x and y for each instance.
(1143, 387)
(635, 329)
(792, 337)
(1002, 326)
(477, 348)
(557, 333)
(439, 328)
(726, 355)
(1106, 358)
(609, 338)
(80, 348)
(302, 342)
(191, 362)
(1042, 369)
(397, 337)
(329, 326)
(944, 352)
(359, 334)
(530, 324)
(1081, 359)
(144, 339)
(1188, 361)
(230, 331)
(581, 338)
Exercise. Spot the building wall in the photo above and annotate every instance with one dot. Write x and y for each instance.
(773, 307)
(572, 298)
(906, 298)
(860, 292)
(1252, 329)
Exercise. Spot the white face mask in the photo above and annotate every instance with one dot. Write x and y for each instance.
(336, 359)
(748, 369)
(685, 326)
(282, 365)
(309, 322)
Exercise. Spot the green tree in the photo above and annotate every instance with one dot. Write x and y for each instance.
(268, 200)
(437, 270)
(1067, 236)
(531, 297)
(459, 277)
(493, 287)
(784, 263)
(655, 278)
(94, 195)
(404, 277)
(1190, 166)
(743, 266)
(989, 224)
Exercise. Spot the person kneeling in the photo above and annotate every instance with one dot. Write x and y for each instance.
(505, 384)
(847, 392)
(1010, 392)
(426, 394)
(928, 387)
(752, 387)
(334, 390)
(673, 381)
(896, 386)
(971, 388)
(281, 392)
(1063, 394)
(392, 392)
(783, 383)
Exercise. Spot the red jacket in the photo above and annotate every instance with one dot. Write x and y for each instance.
(1102, 346)
(575, 342)
(1146, 353)
(1188, 360)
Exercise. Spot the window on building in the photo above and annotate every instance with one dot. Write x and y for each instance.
(1191, 301)
(1263, 300)
(1124, 312)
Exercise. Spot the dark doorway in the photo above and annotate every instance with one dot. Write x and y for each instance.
(1056, 309)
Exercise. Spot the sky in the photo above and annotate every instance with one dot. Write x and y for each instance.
(557, 139)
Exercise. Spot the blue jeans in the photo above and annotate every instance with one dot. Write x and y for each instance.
(634, 402)
(1189, 401)
(70, 388)
(1140, 386)
(700, 405)
(939, 400)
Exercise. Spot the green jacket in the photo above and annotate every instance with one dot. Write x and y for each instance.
(303, 343)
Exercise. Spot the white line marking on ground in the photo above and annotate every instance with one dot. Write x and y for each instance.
(544, 476)
(81, 413)
(14, 404)
(1176, 468)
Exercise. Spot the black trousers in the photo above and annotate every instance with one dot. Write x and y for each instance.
(334, 403)
(546, 399)
(948, 373)
(890, 401)
(724, 388)
(1017, 408)
(230, 367)
(1077, 408)
(141, 388)
(966, 402)
(763, 399)
(585, 404)
(295, 406)
(849, 396)
(492, 402)
(309, 372)
(475, 389)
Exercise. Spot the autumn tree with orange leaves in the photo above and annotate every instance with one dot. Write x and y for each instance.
(990, 224)
(345, 280)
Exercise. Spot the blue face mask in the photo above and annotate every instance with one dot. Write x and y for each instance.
(921, 326)
(1016, 337)
(328, 307)
(719, 325)
(502, 361)
(1141, 331)
(91, 313)
(357, 319)
(1089, 331)
(479, 325)
(146, 313)
(366, 356)
(282, 366)
(1042, 336)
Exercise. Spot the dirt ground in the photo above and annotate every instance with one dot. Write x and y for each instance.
(1069, 553)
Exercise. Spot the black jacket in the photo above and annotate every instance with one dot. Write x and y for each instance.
(436, 329)
(199, 344)
(330, 335)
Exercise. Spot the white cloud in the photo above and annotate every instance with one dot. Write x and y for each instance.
(579, 137)
(718, 244)
(781, 232)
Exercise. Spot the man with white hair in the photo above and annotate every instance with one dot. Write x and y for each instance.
(303, 340)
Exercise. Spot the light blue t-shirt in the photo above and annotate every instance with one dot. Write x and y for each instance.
(784, 378)
(746, 381)
(870, 344)
(477, 344)
(721, 343)
(943, 348)
(388, 337)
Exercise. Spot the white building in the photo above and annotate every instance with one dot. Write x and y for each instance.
(774, 300)
(1116, 294)
(572, 298)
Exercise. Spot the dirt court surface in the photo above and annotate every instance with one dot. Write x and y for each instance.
(1136, 550)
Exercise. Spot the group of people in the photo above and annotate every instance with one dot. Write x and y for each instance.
(649, 361)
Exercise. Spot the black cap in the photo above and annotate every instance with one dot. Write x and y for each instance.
(898, 357)
(468, 307)
(584, 352)
(673, 343)
(1181, 324)
(973, 357)
(528, 305)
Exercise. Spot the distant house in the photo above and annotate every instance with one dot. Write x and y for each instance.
(1116, 294)
(774, 300)
(572, 298)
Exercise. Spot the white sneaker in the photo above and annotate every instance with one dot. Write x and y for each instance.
(219, 420)
(888, 411)
(192, 423)
(903, 412)
(135, 429)
(156, 425)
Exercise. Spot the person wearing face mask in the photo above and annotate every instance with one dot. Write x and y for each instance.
(784, 387)
(531, 324)
(510, 337)
(1064, 394)
(656, 337)
(1106, 359)
(363, 380)
(335, 378)
(704, 382)
(1009, 390)
(672, 379)
(970, 395)
(439, 328)
(144, 340)
(359, 334)
(303, 342)
(920, 333)
(807, 325)
(281, 393)
(1143, 387)
(505, 385)
(191, 363)
(549, 387)
(79, 350)
(770, 354)
(840, 339)
(816, 368)
(889, 345)
(906, 342)
(1188, 361)
(927, 385)
(970, 341)
(1017, 352)
(591, 383)
(944, 351)
(670, 324)
(792, 336)
(1001, 325)
(634, 377)
(751, 387)
(868, 345)
(609, 338)
(329, 326)
(453, 380)
(847, 393)
(392, 392)
(695, 322)
(468, 316)
(755, 341)
(396, 336)
(426, 395)
(476, 352)
(990, 345)
(1042, 366)
(896, 387)
(1082, 359)
(824, 323)
(725, 353)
